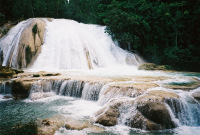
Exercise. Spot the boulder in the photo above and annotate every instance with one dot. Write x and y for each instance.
(147, 112)
(50, 125)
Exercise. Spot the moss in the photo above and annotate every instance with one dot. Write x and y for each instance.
(6, 72)
(28, 54)
(152, 66)
(35, 29)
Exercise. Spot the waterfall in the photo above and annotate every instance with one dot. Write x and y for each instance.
(5, 87)
(186, 110)
(72, 45)
(9, 44)
(72, 88)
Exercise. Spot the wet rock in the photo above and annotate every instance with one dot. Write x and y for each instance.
(117, 90)
(152, 66)
(7, 97)
(20, 90)
(31, 41)
(196, 95)
(8, 72)
(73, 124)
(148, 112)
(108, 116)
(50, 125)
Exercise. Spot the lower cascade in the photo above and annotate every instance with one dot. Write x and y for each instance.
(78, 81)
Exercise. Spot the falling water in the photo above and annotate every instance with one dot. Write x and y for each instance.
(72, 45)
(9, 44)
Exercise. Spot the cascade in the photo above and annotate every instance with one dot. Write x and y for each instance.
(186, 110)
(9, 44)
(71, 45)
(5, 88)
(72, 88)
(67, 45)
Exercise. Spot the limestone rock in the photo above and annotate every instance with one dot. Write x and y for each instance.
(50, 125)
(31, 40)
(148, 112)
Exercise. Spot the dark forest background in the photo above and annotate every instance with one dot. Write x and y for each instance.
(162, 31)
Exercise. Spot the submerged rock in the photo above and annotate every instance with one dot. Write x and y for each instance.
(152, 66)
(50, 125)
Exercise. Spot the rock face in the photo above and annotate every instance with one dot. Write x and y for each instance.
(148, 112)
(31, 41)
(22, 45)
(152, 66)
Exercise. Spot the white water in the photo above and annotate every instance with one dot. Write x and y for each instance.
(72, 45)
(9, 44)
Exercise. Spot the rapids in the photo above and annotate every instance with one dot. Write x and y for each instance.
(94, 72)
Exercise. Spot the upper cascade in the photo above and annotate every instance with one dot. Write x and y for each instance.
(67, 44)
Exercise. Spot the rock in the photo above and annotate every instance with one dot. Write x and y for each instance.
(147, 112)
(31, 41)
(196, 95)
(152, 66)
(108, 116)
(6, 72)
(29, 46)
(73, 124)
(117, 90)
(20, 90)
(156, 112)
(7, 97)
(50, 125)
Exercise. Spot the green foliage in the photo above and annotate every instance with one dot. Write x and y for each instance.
(35, 29)
(164, 32)
(28, 55)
